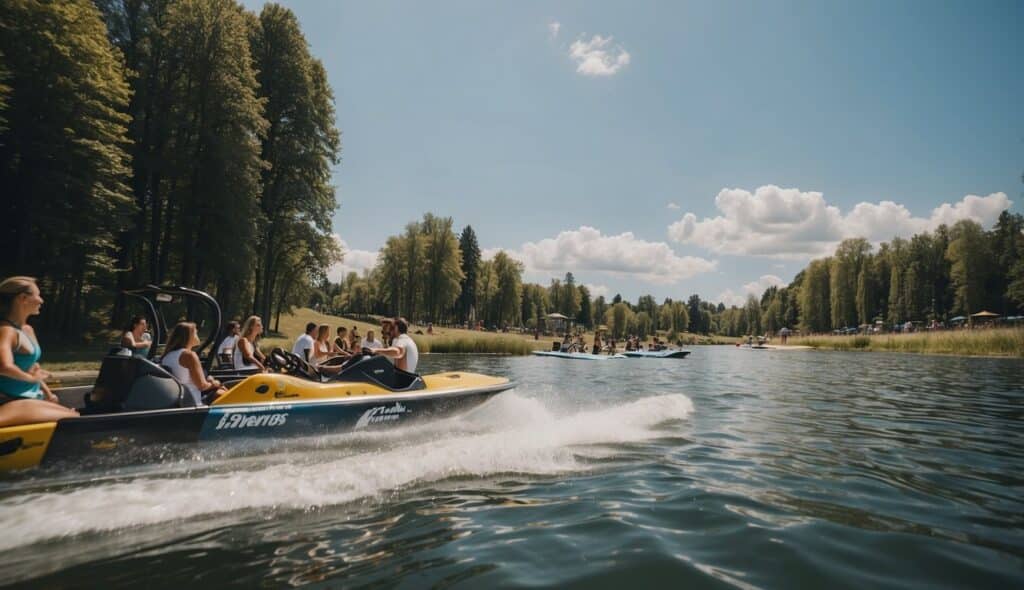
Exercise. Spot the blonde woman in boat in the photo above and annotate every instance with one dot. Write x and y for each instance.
(247, 355)
(24, 395)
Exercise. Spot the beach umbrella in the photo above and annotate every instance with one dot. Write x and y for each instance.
(985, 314)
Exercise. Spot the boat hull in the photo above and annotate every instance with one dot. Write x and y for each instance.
(657, 354)
(578, 356)
(140, 437)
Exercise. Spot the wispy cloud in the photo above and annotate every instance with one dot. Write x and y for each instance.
(672, 206)
(553, 28)
(597, 57)
(790, 223)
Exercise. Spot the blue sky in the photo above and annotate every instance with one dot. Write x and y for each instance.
(671, 148)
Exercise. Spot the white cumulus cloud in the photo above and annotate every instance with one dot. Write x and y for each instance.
(553, 28)
(597, 57)
(790, 223)
(353, 261)
(756, 288)
(597, 290)
(623, 255)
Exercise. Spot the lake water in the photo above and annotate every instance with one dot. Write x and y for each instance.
(749, 469)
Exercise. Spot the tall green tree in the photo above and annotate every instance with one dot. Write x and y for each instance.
(442, 267)
(815, 310)
(299, 146)
(470, 262)
(847, 262)
(969, 256)
(508, 292)
(586, 314)
(63, 159)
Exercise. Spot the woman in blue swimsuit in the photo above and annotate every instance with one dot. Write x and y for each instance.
(24, 396)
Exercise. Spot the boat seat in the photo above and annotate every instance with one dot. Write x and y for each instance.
(378, 370)
(127, 382)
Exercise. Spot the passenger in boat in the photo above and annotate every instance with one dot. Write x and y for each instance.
(566, 344)
(303, 346)
(385, 332)
(353, 338)
(342, 343)
(226, 348)
(182, 362)
(24, 395)
(134, 338)
(247, 354)
(597, 344)
(323, 347)
(403, 349)
(370, 341)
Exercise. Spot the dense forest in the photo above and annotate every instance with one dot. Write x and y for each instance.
(192, 141)
(163, 141)
(430, 274)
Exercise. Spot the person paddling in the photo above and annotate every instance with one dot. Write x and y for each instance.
(24, 396)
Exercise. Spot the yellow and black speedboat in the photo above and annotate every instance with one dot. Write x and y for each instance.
(136, 406)
(136, 403)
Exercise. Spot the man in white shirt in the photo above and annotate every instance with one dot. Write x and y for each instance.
(403, 348)
(304, 343)
(370, 341)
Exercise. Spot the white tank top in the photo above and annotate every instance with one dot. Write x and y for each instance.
(172, 362)
(237, 356)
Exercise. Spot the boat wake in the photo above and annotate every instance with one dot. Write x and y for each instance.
(510, 434)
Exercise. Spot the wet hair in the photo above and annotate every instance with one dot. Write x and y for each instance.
(10, 288)
(402, 325)
(181, 334)
(310, 327)
(135, 321)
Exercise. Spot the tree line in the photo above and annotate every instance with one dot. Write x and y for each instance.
(429, 274)
(163, 141)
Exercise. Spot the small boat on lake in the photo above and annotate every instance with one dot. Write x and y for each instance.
(580, 356)
(657, 354)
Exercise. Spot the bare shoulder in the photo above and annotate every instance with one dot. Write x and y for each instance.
(7, 333)
(188, 358)
(28, 329)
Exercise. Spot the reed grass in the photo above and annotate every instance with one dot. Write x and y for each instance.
(1008, 342)
(478, 344)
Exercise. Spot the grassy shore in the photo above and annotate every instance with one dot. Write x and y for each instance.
(443, 340)
(1008, 342)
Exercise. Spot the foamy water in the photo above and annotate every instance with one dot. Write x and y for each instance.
(510, 434)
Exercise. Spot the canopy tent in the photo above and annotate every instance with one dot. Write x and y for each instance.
(985, 314)
(556, 322)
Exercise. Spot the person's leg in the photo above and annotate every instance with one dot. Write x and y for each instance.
(32, 411)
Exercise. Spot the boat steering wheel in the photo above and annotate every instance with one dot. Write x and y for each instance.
(292, 364)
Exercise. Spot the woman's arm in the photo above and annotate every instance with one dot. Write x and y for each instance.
(129, 341)
(190, 361)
